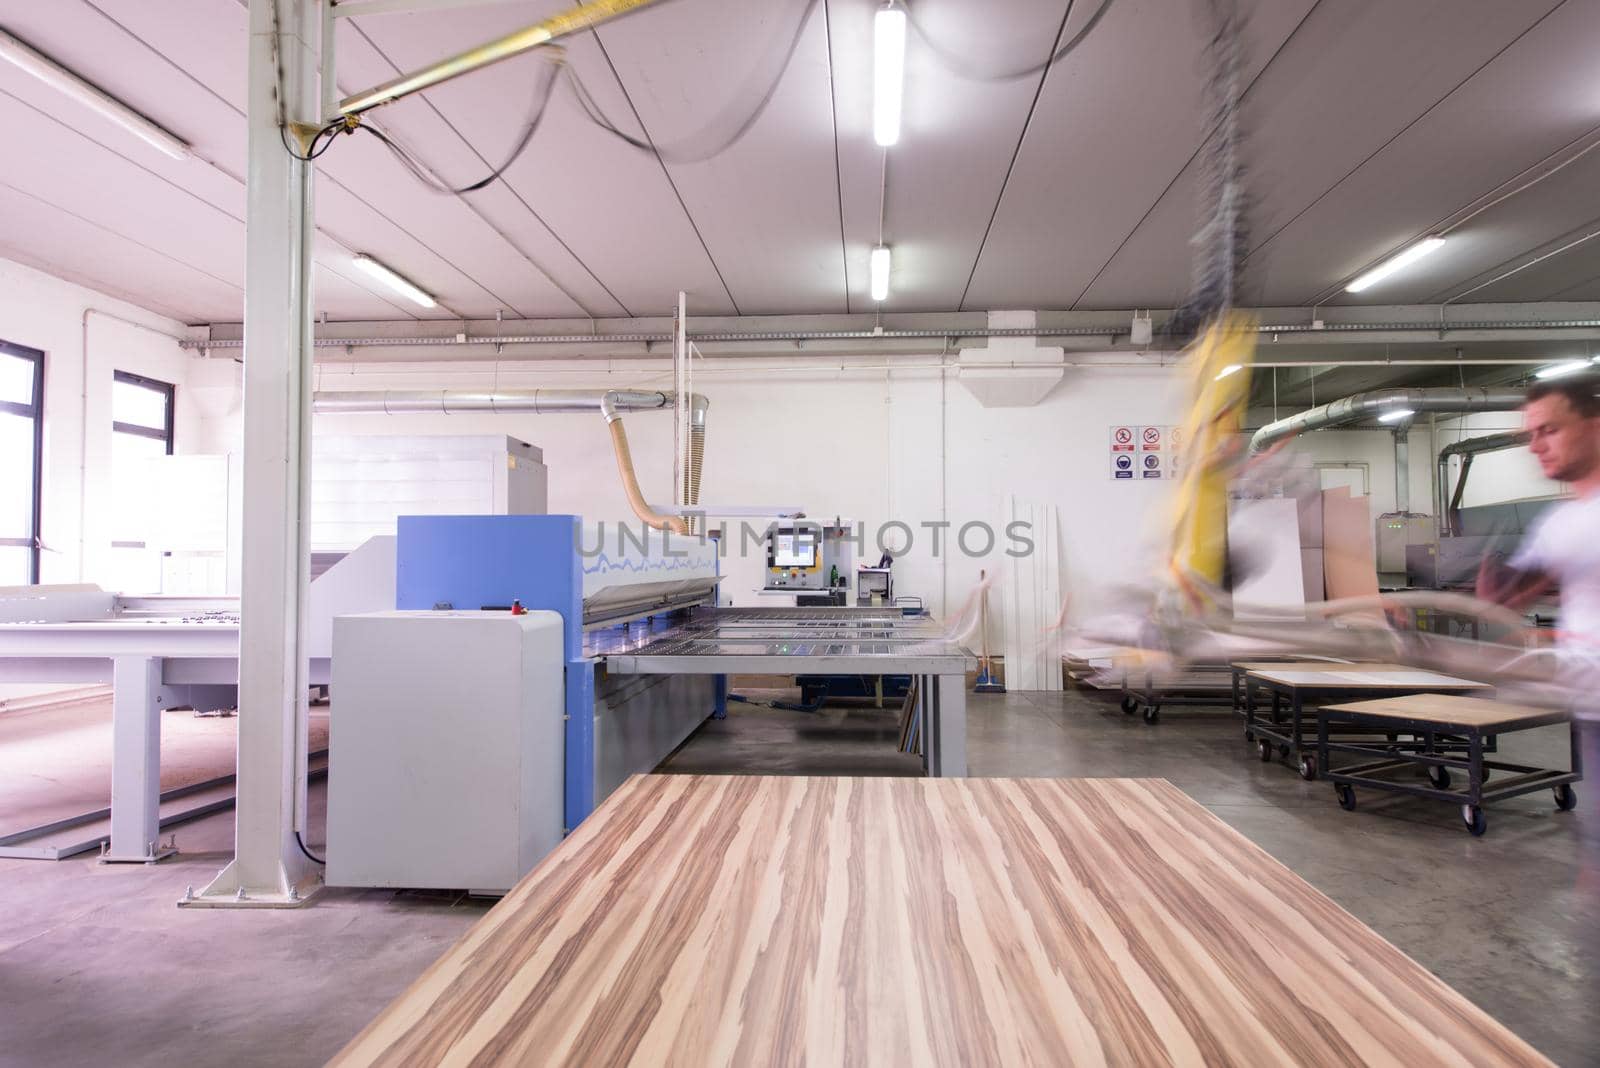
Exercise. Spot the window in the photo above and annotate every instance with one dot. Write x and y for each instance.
(141, 425)
(21, 480)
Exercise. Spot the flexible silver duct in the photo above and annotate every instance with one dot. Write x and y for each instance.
(1369, 405)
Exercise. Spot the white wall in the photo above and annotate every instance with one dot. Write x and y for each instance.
(1507, 475)
(868, 446)
(46, 313)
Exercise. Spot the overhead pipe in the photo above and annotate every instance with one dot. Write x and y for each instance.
(1368, 405)
(610, 403)
(1466, 449)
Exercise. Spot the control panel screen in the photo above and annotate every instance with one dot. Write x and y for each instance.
(794, 551)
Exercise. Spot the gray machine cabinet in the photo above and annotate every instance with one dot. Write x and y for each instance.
(445, 748)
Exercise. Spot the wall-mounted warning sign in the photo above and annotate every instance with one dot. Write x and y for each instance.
(1145, 452)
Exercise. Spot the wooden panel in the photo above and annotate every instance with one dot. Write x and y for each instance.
(1363, 677)
(1448, 710)
(753, 920)
(1349, 561)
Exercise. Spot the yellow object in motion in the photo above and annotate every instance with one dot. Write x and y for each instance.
(1219, 367)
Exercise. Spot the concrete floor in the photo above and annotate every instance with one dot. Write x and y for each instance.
(97, 965)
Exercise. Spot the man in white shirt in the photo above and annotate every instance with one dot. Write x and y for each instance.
(1562, 417)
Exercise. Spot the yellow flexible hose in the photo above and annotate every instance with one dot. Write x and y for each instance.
(630, 485)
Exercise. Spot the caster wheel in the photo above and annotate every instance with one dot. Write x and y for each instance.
(1566, 797)
(1475, 820)
(1440, 777)
(1152, 714)
(1283, 749)
(1249, 735)
(1347, 797)
(1266, 749)
(1129, 706)
(1308, 767)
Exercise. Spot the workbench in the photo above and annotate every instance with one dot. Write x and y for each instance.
(1297, 685)
(1433, 715)
(1239, 669)
(712, 920)
(864, 642)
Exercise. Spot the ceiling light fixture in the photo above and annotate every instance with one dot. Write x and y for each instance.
(880, 273)
(1394, 415)
(1394, 263)
(394, 281)
(1228, 370)
(1559, 369)
(888, 73)
(63, 80)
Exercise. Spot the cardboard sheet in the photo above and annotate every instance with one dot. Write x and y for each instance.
(1349, 561)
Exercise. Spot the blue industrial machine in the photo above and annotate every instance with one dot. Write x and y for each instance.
(614, 586)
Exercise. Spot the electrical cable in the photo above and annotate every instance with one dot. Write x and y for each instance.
(312, 151)
(679, 153)
(957, 65)
(543, 93)
(301, 842)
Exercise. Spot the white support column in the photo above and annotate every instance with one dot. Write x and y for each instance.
(136, 761)
(268, 867)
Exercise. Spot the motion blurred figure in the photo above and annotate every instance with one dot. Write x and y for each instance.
(1562, 552)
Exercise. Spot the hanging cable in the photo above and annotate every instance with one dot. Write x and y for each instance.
(544, 90)
(682, 153)
(957, 64)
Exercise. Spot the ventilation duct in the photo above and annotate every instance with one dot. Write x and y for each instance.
(1370, 405)
(610, 403)
(1450, 519)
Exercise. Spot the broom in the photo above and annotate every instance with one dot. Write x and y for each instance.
(986, 682)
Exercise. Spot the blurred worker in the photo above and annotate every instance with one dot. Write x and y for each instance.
(1562, 417)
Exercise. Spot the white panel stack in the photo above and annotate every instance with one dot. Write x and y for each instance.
(1032, 600)
(446, 748)
(360, 484)
(1264, 551)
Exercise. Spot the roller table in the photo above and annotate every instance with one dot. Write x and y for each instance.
(1473, 720)
(1295, 686)
(812, 641)
(743, 920)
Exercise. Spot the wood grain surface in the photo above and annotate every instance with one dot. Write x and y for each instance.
(1361, 677)
(1446, 709)
(701, 920)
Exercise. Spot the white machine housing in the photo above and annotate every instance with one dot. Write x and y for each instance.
(446, 749)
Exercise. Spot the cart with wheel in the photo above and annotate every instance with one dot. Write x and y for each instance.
(1286, 729)
(1473, 720)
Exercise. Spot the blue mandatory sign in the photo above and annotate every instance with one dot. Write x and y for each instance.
(1152, 467)
(1124, 467)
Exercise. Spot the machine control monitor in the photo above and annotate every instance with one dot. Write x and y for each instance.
(793, 550)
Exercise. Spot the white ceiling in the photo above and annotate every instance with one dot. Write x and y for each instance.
(1371, 122)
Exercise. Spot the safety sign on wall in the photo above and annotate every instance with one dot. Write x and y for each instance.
(1139, 453)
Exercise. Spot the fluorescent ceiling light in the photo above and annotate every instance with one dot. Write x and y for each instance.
(394, 281)
(1228, 370)
(1394, 415)
(1559, 369)
(63, 80)
(1394, 263)
(888, 73)
(880, 273)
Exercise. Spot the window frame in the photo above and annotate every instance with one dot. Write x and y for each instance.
(35, 412)
(169, 393)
